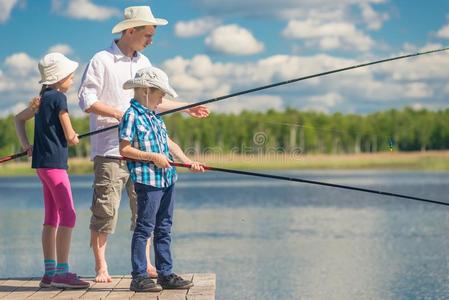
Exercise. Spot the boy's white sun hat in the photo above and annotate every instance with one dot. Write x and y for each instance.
(55, 67)
(151, 77)
(136, 16)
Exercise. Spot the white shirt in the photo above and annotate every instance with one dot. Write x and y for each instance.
(103, 81)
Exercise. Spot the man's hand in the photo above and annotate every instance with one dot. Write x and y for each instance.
(118, 115)
(200, 111)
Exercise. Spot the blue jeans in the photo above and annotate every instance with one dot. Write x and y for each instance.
(154, 213)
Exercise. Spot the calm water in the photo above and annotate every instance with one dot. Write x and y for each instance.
(269, 239)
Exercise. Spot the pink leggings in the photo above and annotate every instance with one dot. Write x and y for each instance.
(58, 201)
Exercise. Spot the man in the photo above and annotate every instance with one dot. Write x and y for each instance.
(101, 94)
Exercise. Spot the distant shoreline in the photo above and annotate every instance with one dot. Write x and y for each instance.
(413, 161)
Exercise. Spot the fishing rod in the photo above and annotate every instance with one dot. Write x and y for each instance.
(278, 84)
(7, 158)
(11, 157)
(294, 179)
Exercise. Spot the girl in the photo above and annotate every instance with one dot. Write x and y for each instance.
(53, 131)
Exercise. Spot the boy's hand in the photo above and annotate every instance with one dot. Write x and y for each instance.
(196, 167)
(161, 161)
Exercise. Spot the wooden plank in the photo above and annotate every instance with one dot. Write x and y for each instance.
(2, 280)
(200, 297)
(142, 296)
(101, 290)
(76, 294)
(203, 280)
(121, 290)
(11, 285)
(204, 287)
(26, 290)
(46, 293)
(172, 297)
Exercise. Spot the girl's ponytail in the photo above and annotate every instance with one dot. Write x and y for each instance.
(44, 86)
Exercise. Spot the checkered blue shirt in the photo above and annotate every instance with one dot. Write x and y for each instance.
(147, 132)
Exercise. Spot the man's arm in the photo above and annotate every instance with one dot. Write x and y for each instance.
(200, 111)
(92, 84)
(104, 110)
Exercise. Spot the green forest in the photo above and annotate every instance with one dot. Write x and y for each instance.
(289, 131)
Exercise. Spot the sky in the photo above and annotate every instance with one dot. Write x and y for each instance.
(211, 48)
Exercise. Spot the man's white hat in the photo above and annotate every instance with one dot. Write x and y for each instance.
(151, 77)
(55, 67)
(136, 16)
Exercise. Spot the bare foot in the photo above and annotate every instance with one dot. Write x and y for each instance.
(151, 270)
(103, 276)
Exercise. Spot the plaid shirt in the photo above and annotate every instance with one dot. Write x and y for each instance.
(147, 132)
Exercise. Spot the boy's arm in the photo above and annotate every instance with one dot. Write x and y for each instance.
(128, 151)
(179, 154)
(19, 121)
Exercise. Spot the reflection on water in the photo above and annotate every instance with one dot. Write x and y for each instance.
(268, 239)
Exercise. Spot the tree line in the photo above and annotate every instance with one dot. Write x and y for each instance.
(289, 131)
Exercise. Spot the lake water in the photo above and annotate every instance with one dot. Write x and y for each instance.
(268, 239)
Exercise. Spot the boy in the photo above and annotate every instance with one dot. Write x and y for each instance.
(143, 138)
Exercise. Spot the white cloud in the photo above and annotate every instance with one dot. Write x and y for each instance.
(328, 100)
(321, 10)
(6, 7)
(373, 19)
(421, 80)
(21, 64)
(234, 40)
(444, 31)
(197, 27)
(61, 48)
(328, 36)
(84, 9)
(361, 90)
(249, 103)
(417, 90)
(19, 77)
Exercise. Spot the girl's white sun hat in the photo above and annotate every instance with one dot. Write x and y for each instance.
(55, 67)
(151, 77)
(136, 16)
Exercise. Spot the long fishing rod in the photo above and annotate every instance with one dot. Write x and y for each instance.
(279, 84)
(11, 157)
(294, 179)
(7, 158)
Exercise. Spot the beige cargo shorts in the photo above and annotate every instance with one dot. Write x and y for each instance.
(111, 176)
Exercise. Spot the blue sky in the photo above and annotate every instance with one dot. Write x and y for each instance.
(211, 48)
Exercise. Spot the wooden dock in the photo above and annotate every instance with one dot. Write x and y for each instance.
(28, 288)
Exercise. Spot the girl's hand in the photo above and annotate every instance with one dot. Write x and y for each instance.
(35, 103)
(196, 167)
(28, 149)
(74, 140)
(161, 161)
